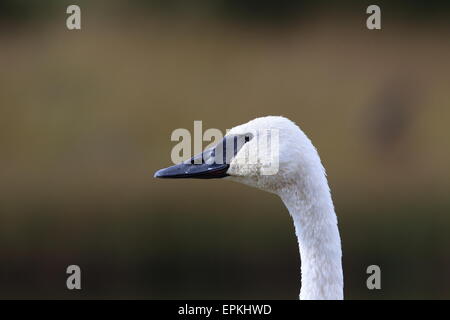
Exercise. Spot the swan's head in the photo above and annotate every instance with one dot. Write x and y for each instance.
(269, 153)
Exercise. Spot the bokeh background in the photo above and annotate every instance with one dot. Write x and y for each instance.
(86, 118)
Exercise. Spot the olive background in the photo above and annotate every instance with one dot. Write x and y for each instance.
(86, 118)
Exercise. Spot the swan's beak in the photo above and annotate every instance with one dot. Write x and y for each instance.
(210, 164)
(198, 171)
(197, 167)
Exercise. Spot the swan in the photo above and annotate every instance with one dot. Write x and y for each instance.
(299, 180)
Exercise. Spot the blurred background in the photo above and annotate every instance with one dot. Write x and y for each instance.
(86, 118)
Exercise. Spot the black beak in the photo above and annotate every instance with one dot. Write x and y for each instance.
(189, 170)
(202, 166)
(210, 164)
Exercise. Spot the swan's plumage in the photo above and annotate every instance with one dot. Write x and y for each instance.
(301, 183)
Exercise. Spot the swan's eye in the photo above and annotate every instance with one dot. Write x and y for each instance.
(239, 141)
(248, 137)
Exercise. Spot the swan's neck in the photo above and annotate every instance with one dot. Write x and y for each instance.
(310, 205)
